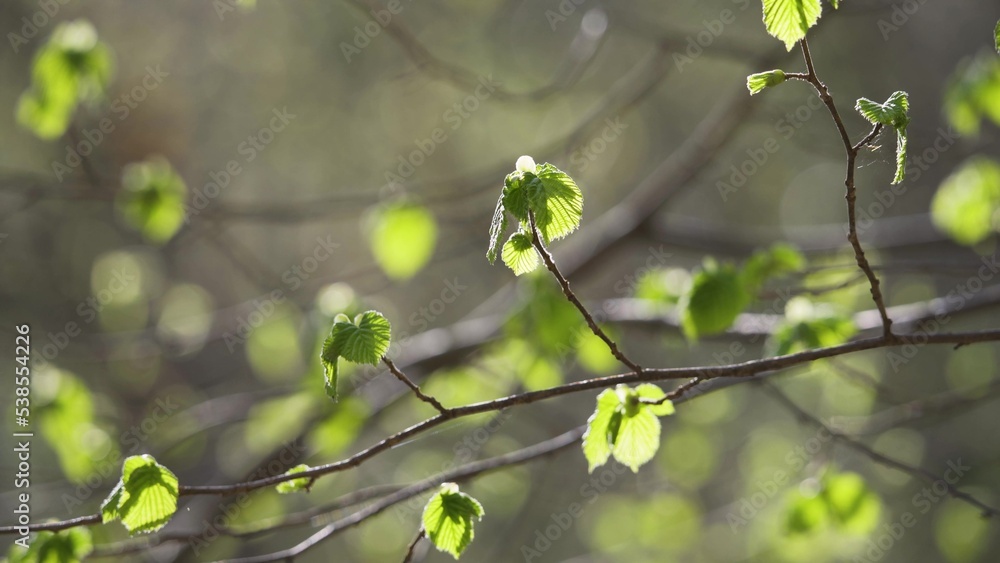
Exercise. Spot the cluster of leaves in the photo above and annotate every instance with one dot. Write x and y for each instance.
(625, 425)
(844, 502)
(540, 192)
(73, 67)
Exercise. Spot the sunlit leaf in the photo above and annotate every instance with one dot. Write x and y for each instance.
(716, 297)
(519, 255)
(146, 497)
(363, 341)
(757, 82)
(294, 485)
(68, 546)
(402, 239)
(895, 113)
(596, 446)
(789, 20)
(448, 519)
(152, 199)
(625, 427)
(967, 205)
(973, 94)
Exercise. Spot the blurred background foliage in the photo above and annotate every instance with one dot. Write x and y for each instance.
(190, 191)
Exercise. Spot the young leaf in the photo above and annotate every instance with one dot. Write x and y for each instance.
(967, 203)
(776, 261)
(146, 497)
(789, 20)
(624, 426)
(757, 82)
(402, 239)
(68, 546)
(497, 228)
(558, 206)
(717, 295)
(973, 94)
(448, 519)
(519, 254)
(152, 199)
(364, 341)
(596, 446)
(294, 485)
(852, 505)
(807, 327)
(893, 113)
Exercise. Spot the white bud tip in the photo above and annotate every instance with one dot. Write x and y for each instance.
(526, 164)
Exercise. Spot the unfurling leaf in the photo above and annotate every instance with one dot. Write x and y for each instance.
(895, 113)
(448, 519)
(757, 82)
(363, 341)
(294, 485)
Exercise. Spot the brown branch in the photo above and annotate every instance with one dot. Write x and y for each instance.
(536, 240)
(411, 549)
(739, 370)
(852, 195)
(986, 510)
(415, 388)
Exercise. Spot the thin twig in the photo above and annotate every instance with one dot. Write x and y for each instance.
(415, 388)
(536, 240)
(852, 195)
(986, 510)
(411, 549)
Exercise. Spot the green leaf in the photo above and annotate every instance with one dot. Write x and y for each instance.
(806, 514)
(808, 327)
(773, 262)
(625, 427)
(717, 295)
(789, 20)
(519, 254)
(72, 67)
(363, 341)
(152, 199)
(596, 446)
(973, 94)
(895, 113)
(757, 82)
(558, 206)
(294, 485)
(146, 497)
(448, 519)
(967, 204)
(68, 546)
(497, 228)
(402, 239)
(852, 505)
